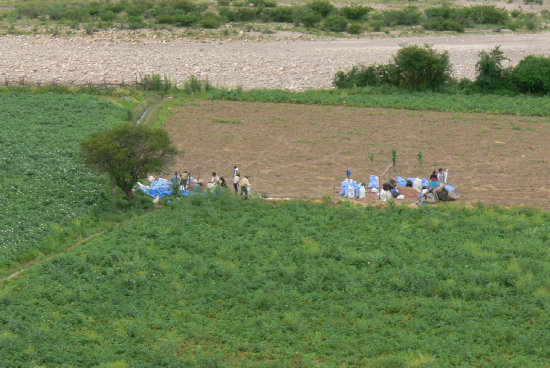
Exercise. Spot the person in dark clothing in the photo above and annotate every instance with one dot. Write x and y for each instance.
(223, 184)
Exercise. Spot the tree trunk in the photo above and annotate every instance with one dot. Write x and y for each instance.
(130, 195)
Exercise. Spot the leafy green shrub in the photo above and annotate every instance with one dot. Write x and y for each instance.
(306, 16)
(355, 28)
(532, 74)
(538, 2)
(322, 7)
(128, 153)
(56, 12)
(441, 24)
(373, 75)
(282, 14)
(156, 83)
(422, 67)
(404, 17)
(243, 14)
(480, 14)
(196, 85)
(335, 23)
(185, 20)
(210, 21)
(491, 75)
(355, 12)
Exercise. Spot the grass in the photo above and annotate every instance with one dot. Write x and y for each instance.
(399, 99)
(218, 281)
(44, 184)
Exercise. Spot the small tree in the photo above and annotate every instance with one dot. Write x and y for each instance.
(491, 75)
(422, 67)
(128, 152)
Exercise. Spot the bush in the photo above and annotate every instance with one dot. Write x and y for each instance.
(210, 21)
(335, 23)
(491, 75)
(373, 75)
(480, 14)
(185, 20)
(441, 24)
(422, 67)
(406, 17)
(156, 83)
(532, 74)
(243, 14)
(282, 14)
(306, 16)
(355, 28)
(322, 7)
(128, 152)
(355, 12)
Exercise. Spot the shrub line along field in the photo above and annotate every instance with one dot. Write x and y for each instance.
(304, 150)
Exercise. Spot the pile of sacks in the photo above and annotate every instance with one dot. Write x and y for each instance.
(444, 192)
(351, 189)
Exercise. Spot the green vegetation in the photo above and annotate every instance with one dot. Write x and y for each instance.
(128, 152)
(217, 281)
(400, 99)
(417, 68)
(43, 182)
(315, 14)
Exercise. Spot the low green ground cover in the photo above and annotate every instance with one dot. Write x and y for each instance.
(400, 99)
(218, 281)
(43, 182)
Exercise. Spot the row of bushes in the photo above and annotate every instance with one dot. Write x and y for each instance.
(423, 68)
(318, 13)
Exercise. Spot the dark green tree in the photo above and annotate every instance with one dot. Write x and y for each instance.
(422, 67)
(128, 152)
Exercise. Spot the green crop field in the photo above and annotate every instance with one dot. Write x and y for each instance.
(43, 183)
(217, 281)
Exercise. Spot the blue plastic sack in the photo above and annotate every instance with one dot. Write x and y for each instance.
(357, 187)
(450, 188)
(401, 182)
(425, 182)
(373, 182)
(344, 188)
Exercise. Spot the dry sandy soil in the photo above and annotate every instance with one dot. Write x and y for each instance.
(288, 64)
(304, 151)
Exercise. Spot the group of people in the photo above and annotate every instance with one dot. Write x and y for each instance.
(241, 184)
(430, 191)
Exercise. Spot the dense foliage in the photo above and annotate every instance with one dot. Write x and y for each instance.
(399, 99)
(420, 68)
(134, 14)
(128, 152)
(43, 181)
(217, 281)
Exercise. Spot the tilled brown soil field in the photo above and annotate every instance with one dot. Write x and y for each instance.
(303, 151)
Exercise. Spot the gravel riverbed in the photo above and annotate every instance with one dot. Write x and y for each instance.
(289, 64)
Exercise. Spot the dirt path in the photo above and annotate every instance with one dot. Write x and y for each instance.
(288, 64)
(42, 260)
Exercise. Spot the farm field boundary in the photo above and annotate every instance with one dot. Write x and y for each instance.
(304, 150)
(398, 99)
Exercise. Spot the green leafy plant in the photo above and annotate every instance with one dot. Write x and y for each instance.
(128, 153)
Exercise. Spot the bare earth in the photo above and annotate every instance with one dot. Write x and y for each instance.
(304, 150)
(288, 64)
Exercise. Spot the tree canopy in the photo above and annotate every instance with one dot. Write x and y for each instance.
(128, 152)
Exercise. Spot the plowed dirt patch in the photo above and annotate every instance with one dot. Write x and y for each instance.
(304, 150)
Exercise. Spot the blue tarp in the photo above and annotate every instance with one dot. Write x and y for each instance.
(450, 188)
(401, 182)
(425, 182)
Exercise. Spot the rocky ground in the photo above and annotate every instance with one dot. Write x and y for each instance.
(282, 62)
